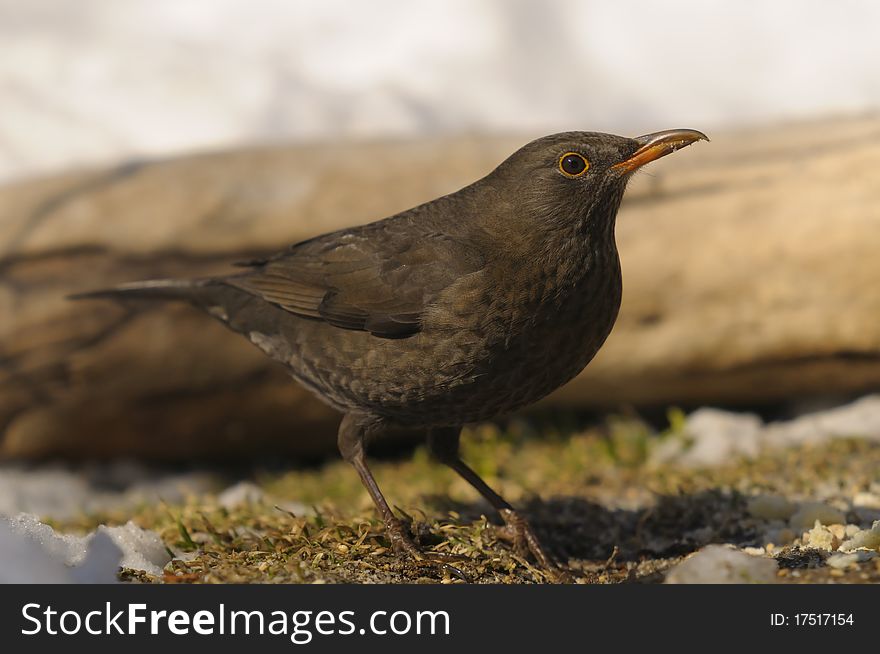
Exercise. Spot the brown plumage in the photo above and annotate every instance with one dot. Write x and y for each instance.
(458, 310)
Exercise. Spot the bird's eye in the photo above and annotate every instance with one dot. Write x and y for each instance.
(571, 164)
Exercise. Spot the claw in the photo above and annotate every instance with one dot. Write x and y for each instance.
(518, 532)
(403, 544)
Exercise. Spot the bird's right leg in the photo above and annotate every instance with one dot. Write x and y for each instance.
(443, 444)
(354, 431)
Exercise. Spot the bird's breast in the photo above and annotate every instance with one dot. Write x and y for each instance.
(529, 333)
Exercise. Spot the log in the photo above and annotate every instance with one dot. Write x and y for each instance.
(749, 276)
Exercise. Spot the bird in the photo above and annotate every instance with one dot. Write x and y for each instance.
(459, 310)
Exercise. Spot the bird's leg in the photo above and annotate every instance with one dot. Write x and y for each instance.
(444, 444)
(353, 432)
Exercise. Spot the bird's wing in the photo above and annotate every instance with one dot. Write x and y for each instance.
(377, 278)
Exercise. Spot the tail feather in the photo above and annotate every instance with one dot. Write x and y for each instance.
(152, 289)
(265, 324)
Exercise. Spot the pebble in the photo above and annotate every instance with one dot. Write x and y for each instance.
(778, 535)
(720, 564)
(868, 539)
(770, 507)
(808, 514)
(821, 537)
(867, 500)
(841, 561)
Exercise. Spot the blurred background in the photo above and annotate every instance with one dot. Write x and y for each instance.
(150, 138)
(97, 81)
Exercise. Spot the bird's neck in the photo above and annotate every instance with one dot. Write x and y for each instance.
(574, 260)
(558, 274)
(564, 248)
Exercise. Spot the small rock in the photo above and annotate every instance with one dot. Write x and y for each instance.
(797, 557)
(754, 551)
(720, 564)
(841, 561)
(868, 539)
(838, 530)
(867, 500)
(864, 514)
(770, 507)
(821, 538)
(778, 535)
(807, 515)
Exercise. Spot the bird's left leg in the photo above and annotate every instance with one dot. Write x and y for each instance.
(444, 446)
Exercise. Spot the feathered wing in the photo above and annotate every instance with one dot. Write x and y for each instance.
(377, 278)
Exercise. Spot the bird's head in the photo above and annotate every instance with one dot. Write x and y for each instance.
(580, 176)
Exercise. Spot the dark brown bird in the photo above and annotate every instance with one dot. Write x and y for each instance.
(461, 309)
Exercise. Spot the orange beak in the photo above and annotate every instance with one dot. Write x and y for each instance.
(658, 144)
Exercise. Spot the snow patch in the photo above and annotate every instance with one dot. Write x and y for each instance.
(36, 553)
(712, 437)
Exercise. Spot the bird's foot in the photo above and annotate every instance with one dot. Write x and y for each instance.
(403, 544)
(518, 532)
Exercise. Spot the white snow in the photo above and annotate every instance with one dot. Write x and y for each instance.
(716, 436)
(63, 492)
(142, 549)
(100, 80)
(859, 418)
(242, 493)
(33, 552)
(713, 437)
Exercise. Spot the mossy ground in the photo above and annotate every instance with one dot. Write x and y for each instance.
(593, 496)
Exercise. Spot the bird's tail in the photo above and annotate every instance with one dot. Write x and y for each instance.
(239, 310)
(153, 289)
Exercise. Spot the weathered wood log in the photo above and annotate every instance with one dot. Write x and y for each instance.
(749, 268)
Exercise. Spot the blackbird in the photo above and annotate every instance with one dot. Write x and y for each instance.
(459, 310)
